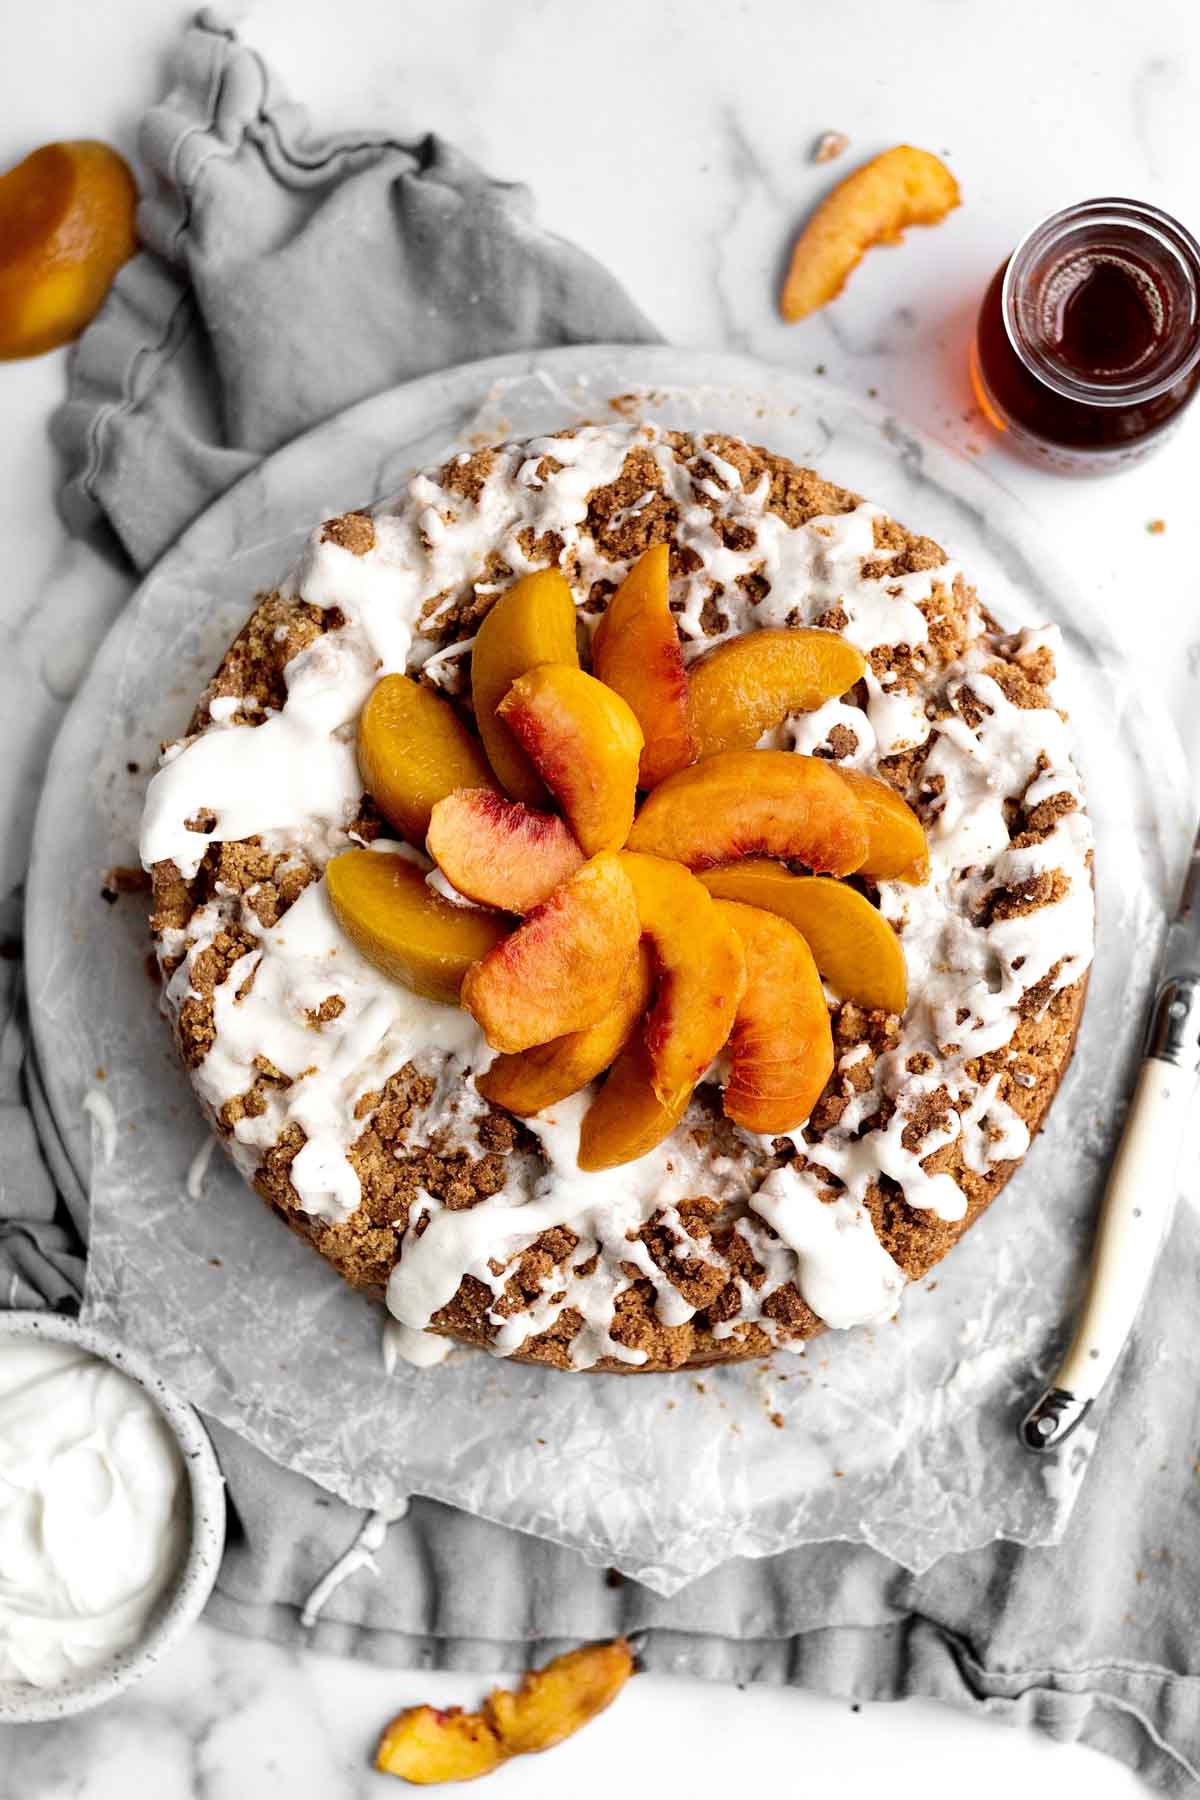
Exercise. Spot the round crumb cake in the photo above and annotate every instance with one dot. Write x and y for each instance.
(350, 1102)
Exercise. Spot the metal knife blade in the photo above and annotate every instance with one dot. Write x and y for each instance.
(1174, 1034)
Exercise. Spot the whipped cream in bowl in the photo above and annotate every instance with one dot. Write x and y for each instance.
(112, 1517)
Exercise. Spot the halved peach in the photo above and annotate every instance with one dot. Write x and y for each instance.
(754, 803)
(563, 969)
(627, 1117)
(636, 652)
(499, 853)
(533, 622)
(383, 905)
(585, 743)
(853, 945)
(896, 846)
(534, 1079)
(748, 684)
(699, 966)
(781, 1046)
(413, 749)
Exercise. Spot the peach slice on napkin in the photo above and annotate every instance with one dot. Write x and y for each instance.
(748, 684)
(66, 227)
(781, 1046)
(627, 1117)
(636, 652)
(563, 968)
(896, 845)
(426, 1746)
(754, 803)
(413, 750)
(499, 853)
(531, 1080)
(382, 903)
(874, 205)
(533, 622)
(853, 946)
(585, 743)
(700, 972)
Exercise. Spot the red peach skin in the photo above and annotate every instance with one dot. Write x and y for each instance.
(636, 652)
(499, 853)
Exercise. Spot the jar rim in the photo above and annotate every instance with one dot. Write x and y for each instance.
(1169, 236)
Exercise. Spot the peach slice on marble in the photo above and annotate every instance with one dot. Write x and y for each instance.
(628, 1118)
(700, 972)
(498, 852)
(427, 1745)
(554, 1702)
(413, 750)
(66, 227)
(636, 652)
(875, 204)
(585, 743)
(781, 1046)
(531, 1080)
(896, 846)
(563, 968)
(853, 946)
(754, 803)
(382, 903)
(532, 622)
(749, 684)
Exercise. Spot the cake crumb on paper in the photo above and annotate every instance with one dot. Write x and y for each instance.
(829, 146)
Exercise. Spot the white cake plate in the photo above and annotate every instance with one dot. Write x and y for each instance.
(901, 1438)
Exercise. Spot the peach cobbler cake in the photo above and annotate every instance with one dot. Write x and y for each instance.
(624, 901)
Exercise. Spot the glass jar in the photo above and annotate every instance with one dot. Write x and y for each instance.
(1087, 348)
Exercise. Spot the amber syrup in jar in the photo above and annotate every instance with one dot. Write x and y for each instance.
(1087, 348)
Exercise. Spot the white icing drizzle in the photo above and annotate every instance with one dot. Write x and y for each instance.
(419, 1349)
(371, 1537)
(100, 1110)
(293, 780)
(198, 1169)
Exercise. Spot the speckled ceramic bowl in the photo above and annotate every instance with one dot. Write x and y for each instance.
(183, 1601)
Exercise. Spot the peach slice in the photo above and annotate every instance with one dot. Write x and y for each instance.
(636, 652)
(874, 205)
(853, 945)
(66, 227)
(426, 1746)
(754, 803)
(383, 905)
(700, 972)
(563, 969)
(497, 852)
(896, 846)
(534, 1079)
(413, 750)
(585, 744)
(781, 1045)
(533, 622)
(748, 684)
(627, 1117)
(553, 1703)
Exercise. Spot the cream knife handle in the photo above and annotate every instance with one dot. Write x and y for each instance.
(1138, 1202)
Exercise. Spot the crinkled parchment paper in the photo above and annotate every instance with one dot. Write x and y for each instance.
(901, 1436)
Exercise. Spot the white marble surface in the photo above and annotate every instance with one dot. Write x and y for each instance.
(673, 142)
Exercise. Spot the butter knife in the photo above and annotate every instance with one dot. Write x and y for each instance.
(1141, 1191)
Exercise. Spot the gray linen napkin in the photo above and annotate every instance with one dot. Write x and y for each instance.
(250, 323)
